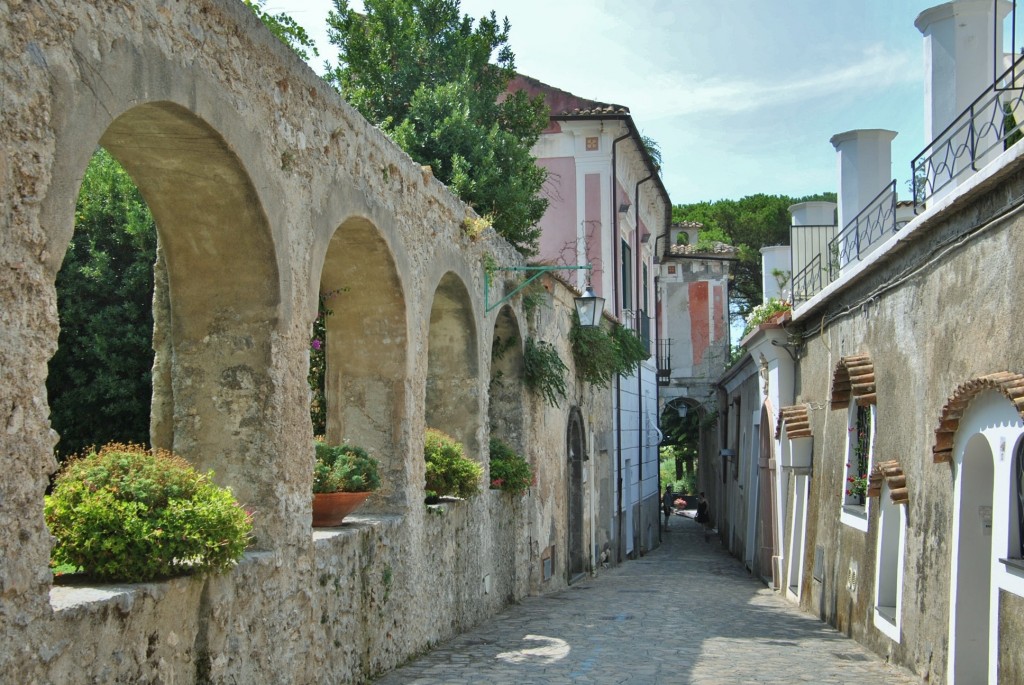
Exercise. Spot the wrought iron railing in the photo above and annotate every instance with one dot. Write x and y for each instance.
(989, 125)
(809, 265)
(643, 329)
(874, 223)
(810, 280)
(664, 360)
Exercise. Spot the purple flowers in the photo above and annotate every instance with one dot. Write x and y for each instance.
(316, 344)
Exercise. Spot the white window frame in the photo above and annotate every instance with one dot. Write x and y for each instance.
(889, 558)
(856, 515)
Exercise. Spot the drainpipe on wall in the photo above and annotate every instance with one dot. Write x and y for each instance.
(619, 543)
(642, 434)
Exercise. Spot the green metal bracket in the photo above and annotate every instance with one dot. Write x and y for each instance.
(538, 271)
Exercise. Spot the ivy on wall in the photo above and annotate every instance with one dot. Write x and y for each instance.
(544, 371)
(602, 354)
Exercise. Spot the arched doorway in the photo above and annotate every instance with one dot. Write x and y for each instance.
(576, 454)
(972, 567)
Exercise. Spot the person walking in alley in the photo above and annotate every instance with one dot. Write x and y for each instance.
(666, 504)
(702, 516)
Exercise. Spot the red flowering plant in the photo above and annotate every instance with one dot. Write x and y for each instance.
(857, 477)
(509, 470)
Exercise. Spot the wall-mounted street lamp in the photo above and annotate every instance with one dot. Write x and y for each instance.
(589, 306)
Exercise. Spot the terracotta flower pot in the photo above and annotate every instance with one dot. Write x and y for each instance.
(331, 508)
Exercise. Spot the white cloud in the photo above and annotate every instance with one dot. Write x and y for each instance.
(670, 94)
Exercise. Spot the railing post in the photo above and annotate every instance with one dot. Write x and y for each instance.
(972, 143)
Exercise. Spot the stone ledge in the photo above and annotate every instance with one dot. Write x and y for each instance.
(355, 524)
(67, 599)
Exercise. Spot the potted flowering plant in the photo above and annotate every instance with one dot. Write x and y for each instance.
(509, 470)
(343, 477)
(857, 485)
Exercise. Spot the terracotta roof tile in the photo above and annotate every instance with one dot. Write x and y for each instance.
(1010, 384)
(797, 421)
(892, 474)
(854, 378)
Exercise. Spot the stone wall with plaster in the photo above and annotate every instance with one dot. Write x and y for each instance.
(267, 189)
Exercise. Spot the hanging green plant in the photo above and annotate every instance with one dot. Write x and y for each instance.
(602, 354)
(544, 371)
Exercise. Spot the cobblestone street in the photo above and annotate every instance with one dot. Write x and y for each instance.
(687, 613)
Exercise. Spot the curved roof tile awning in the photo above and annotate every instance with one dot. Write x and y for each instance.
(892, 474)
(854, 378)
(1008, 383)
(797, 421)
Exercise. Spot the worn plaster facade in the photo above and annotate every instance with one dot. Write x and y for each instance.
(267, 190)
(607, 208)
(942, 321)
(898, 374)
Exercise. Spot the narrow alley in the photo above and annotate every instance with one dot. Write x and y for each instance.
(686, 614)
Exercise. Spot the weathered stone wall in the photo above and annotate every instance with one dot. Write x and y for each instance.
(266, 189)
(937, 312)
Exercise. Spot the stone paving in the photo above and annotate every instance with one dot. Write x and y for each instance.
(685, 614)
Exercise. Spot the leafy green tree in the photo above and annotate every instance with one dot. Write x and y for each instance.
(99, 380)
(423, 73)
(749, 223)
(286, 29)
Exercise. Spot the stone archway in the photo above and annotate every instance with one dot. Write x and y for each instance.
(452, 393)
(365, 351)
(507, 406)
(216, 299)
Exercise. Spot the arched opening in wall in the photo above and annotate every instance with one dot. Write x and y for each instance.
(358, 353)
(216, 298)
(99, 384)
(507, 406)
(972, 550)
(576, 454)
(453, 397)
(679, 451)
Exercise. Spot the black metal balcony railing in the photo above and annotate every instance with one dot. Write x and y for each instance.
(809, 281)
(643, 328)
(989, 125)
(664, 361)
(809, 245)
(875, 222)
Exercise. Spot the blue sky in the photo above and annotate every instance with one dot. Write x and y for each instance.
(741, 95)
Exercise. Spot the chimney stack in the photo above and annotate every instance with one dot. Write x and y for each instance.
(864, 159)
(961, 43)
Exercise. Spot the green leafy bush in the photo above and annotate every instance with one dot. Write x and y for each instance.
(344, 468)
(449, 471)
(509, 470)
(125, 514)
